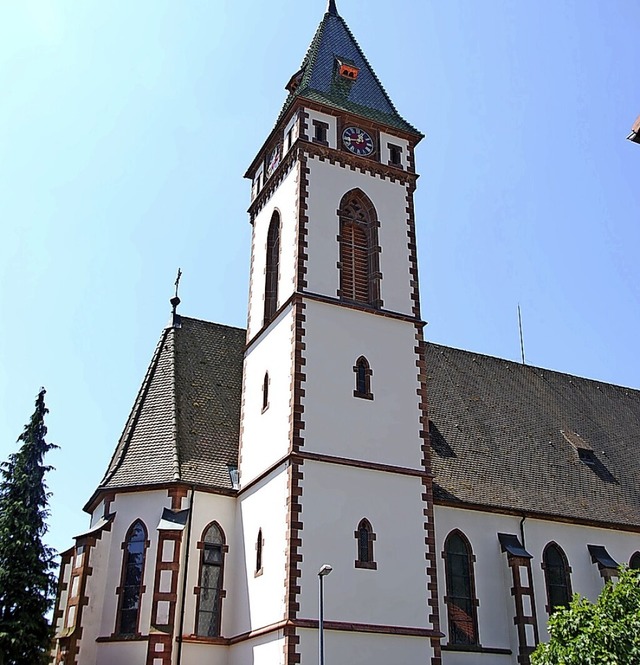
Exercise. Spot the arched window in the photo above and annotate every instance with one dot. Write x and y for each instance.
(634, 562)
(364, 536)
(131, 587)
(265, 392)
(359, 252)
(460, 599)
(210, 593)
(272, 268)
(363, 374)
(259, 553)
(556, 577)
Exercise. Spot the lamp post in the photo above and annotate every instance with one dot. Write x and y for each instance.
(322, 573)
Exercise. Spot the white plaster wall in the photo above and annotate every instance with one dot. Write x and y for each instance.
(343, 648)
(327, 185)
(294, 126)
(493, 578)
(118, 653)
(260, 601)
(65, 575)
(385, 429)
(334, 500)
(211, 508)
(93, 613)
(573, 539)
(284, 199)
(385, 139)
(146, 506)
(198, 654)
(332, 132)
(265, 435)
(265, 650)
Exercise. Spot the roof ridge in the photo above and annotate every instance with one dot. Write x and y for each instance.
(532, 367)
(127, 433)
(177, 469)
(212, 323)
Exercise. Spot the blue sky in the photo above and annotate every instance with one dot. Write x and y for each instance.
(126, 127)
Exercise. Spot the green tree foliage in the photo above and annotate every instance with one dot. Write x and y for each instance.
(606, 632)
(27, 578)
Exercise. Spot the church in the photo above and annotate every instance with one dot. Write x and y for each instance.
(455, 499)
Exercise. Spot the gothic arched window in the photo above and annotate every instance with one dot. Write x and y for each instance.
(556, 577)
(364, 536)
(363, 374)
(258, 570)
(131, 587)
(272, 268)
(634, 562)
(460, 599)
(209, 589)
(359, 252)
(265, 392)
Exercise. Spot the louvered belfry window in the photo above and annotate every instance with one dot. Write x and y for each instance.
(272, 268)
(359, 262)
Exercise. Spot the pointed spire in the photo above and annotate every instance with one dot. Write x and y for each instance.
(331, 8)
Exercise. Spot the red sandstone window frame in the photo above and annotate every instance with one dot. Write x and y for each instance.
(121, 589)
(221, 592)
(365, 538)
(359, 263)
(565, 573)
(461, 623)
(272, 268)
(363, 373)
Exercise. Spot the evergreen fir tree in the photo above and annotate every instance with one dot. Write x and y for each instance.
(27, 577)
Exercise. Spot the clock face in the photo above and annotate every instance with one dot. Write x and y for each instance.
(357, 141)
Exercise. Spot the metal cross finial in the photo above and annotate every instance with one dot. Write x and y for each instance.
(177, 282)
(331, 8)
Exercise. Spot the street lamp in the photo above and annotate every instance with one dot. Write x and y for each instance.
(322, 573)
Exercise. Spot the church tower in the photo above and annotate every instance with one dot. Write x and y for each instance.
(252, 459)
(334, 464)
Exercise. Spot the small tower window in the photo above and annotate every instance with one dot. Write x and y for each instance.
(259, 544)
(556, 576)
(363, 374)
(209, 589)
(265, 392)
(395, 155)
(272, 269)
(359, 252)
(131, 588)
(460, 589)
(320, 130)
(364, 536)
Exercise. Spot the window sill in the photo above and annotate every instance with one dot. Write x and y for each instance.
(367, 565)
(123, 638)
(363, 395)
(195, 639)
(476, 648)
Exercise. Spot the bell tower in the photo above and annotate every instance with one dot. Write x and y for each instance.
(334, 430)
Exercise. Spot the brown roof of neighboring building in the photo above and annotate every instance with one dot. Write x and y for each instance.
(505, 436)
(184, 425)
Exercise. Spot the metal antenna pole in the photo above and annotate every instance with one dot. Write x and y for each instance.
(521, 336)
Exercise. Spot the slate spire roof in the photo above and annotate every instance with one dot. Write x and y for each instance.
(184, 425)
(316, 79)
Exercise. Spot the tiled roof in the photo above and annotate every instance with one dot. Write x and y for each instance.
(504, 436)
(364, 97)
(184, 425)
